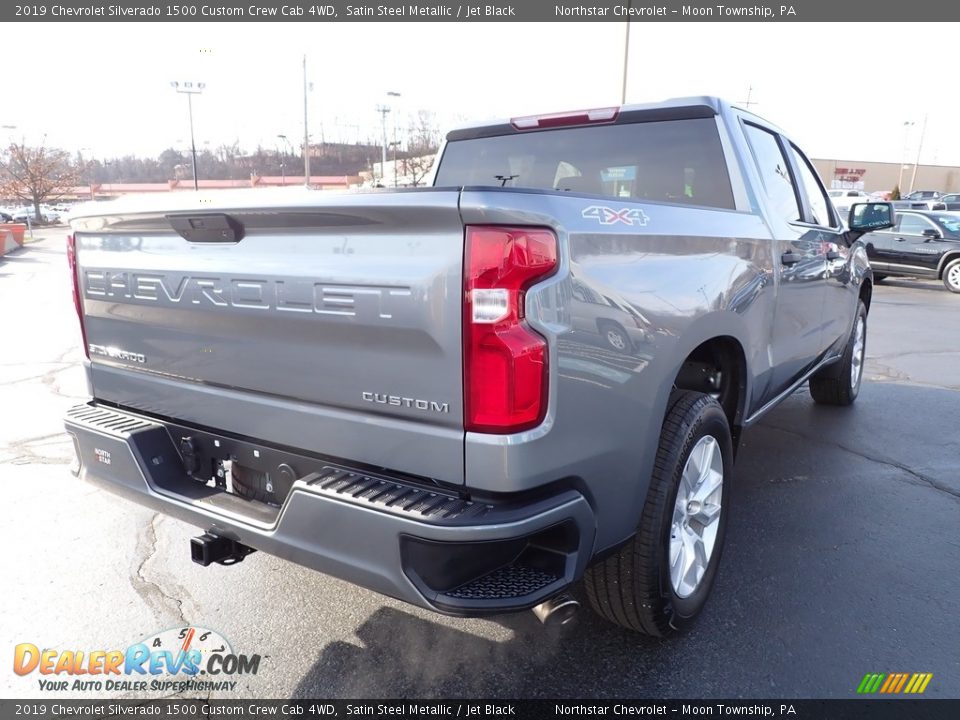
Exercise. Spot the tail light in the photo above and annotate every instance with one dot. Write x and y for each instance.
(504, 361)
(75, 274)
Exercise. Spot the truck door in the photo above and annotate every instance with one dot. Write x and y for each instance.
(800, 262)
(916, 246)
(879, 246)
(839, 290)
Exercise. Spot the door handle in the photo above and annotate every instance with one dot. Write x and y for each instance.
(791, 258)
(833, 255)
(901, 239)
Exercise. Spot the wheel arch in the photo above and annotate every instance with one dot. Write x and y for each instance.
(947, 258)
(866, 292)
(700, 360)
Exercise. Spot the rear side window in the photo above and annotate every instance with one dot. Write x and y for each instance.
(819, 204)
(913, 224)
(678, 161)
(775, 173)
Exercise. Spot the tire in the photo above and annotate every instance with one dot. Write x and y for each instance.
(840, 383)
(636, 588)
(615, 336)
(878, 278)
(951, 276)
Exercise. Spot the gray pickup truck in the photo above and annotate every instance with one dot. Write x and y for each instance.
(473, 395)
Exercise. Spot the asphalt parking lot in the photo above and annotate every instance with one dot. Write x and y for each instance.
(842, 552)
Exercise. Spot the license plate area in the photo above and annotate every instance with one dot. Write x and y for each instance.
(248, 470)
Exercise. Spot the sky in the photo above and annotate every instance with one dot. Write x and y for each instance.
(840, 90)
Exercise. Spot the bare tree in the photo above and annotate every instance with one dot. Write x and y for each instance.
(37, 174)
(423, 141)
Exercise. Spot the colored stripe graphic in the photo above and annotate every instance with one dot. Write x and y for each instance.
(903, 681)
(894, 683)
(897, 685)
(870, 683)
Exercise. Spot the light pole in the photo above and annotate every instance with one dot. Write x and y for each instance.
(394, 95)
(383, 110)
(283, 180)
(923, 131)
(190, 89)
(907, 124)
(626, 56)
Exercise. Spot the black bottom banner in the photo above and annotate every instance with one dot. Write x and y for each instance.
(190, 708)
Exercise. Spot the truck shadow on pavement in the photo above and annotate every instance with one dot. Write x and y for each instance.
(411, 657)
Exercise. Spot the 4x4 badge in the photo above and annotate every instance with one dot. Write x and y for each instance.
(608, 216)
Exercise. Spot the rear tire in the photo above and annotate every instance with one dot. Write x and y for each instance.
(840, 383)
(951, 276)
(639, 588)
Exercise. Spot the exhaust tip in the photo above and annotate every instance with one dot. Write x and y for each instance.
(558, 610)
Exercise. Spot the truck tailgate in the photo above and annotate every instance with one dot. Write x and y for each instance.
(333, 325)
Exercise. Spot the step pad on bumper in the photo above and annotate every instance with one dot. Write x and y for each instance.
(388, 494)
(509, 582)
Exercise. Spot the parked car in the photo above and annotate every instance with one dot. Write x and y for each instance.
(951, 201)
(5, 217)
(617, 325)
(843, 199)
(921, 244)
(27, 214)
(920, 200)
(390, 387)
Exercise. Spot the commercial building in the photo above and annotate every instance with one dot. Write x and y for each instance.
(878, 176)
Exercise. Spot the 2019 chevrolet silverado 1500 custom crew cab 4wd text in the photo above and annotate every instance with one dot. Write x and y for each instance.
(472, 395)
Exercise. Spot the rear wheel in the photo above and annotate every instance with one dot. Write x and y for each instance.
(659, 582)
(951, 276)
(839, 384)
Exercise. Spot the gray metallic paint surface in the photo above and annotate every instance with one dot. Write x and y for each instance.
(282, 335)
(690, 273)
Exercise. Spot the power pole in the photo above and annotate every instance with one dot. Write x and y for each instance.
(383, 110)
(306, 131)
(748, 102)
(394, 95)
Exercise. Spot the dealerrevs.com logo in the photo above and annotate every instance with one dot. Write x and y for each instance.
(175, 660)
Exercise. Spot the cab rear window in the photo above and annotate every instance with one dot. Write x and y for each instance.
(676, 161)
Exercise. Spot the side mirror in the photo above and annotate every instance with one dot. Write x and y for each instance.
(931, 234)
(868, 217)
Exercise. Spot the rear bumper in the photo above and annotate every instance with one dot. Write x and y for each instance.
(422, 545)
